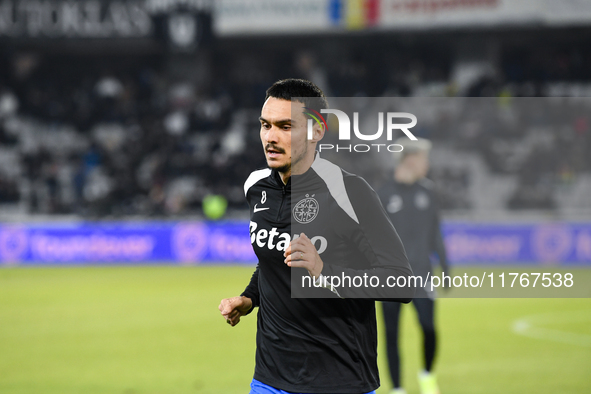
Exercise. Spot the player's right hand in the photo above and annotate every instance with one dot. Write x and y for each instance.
(233, 308)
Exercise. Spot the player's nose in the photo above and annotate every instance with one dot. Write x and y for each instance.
(272, 134)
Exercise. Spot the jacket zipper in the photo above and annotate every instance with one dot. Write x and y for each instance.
(282, 200)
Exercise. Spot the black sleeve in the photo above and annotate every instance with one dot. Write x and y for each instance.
(377, 240)
(252, 290)
(437, 244)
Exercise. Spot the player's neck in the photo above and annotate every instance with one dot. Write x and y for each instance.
(285, 176)
(301, 166)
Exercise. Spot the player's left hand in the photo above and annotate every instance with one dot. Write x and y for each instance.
(302, 253)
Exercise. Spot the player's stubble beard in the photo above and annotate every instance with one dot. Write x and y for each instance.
(286, 168)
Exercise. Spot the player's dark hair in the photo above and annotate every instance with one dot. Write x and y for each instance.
(306, 92)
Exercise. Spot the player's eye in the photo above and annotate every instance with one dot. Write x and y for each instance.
(265, 126)
(287, 127)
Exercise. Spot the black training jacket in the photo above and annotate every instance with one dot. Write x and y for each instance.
(328, 344)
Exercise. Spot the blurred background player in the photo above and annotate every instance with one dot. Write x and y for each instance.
(412, 206)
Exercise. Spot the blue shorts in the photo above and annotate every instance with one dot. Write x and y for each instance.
(257, 387)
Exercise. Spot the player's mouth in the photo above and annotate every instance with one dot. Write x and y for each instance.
(273, 152)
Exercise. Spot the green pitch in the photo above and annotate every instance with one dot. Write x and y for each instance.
(149, 330)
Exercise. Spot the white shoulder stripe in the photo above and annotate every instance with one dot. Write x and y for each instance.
(332, 175)
(254, 177)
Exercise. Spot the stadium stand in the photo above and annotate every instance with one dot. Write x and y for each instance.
(118, 136)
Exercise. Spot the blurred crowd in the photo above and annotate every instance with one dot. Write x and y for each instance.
(130, 135)
(114, 138)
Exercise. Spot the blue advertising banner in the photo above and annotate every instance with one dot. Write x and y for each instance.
(142, 242)
(546, 243)
(229, 242)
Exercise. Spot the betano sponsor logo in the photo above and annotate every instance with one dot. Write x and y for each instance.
(273, 239)
(392, 120)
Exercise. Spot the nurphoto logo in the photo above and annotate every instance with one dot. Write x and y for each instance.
(392, 124)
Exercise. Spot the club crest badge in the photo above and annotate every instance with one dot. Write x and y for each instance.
(306, 209)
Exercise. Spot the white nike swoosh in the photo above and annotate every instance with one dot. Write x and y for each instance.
(255, 210)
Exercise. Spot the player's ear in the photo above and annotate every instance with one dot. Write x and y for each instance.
(317, 132)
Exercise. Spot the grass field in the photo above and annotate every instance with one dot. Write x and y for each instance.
(148, 330)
